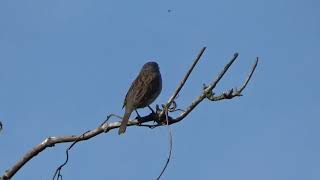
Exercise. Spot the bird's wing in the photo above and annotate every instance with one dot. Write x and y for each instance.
(143, 90)
(147, 93)
(129, 93)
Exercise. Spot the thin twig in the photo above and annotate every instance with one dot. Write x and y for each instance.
(225, 69)
(234, 92)
(207, 90)
(183, 81)
(58, 170)
(106, 127)
(250, 75)
(109, 116)
(170, 145)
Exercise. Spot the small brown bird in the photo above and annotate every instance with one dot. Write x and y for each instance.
(143, 91)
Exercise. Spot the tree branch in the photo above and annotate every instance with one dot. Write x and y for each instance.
(159, 116)
(183, 81)
(233, 92)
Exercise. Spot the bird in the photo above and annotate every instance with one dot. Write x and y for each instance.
(143, 91)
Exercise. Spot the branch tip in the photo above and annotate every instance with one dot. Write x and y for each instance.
(161, 115)
(173, 97)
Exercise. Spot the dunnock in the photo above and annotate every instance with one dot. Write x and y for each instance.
(143, 91)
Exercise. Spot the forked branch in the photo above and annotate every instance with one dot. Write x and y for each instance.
(159, 116)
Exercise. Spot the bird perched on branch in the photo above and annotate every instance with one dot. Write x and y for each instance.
(143, 91)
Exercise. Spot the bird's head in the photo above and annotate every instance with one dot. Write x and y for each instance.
(150, 66)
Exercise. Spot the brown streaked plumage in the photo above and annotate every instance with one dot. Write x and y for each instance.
(143, 91)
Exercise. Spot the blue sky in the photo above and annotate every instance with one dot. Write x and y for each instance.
(65, 65)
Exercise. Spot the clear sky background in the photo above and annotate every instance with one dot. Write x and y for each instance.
(65, 65)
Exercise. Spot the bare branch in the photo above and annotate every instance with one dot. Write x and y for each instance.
(225, 69)
(48, 142)
(58, 171)
(233, 92)
(207, 90)
(170, 145)
(183, 81)
(250, 75)
(161, 117)
(52, 141)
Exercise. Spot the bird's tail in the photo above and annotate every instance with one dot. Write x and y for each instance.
(124, 122)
